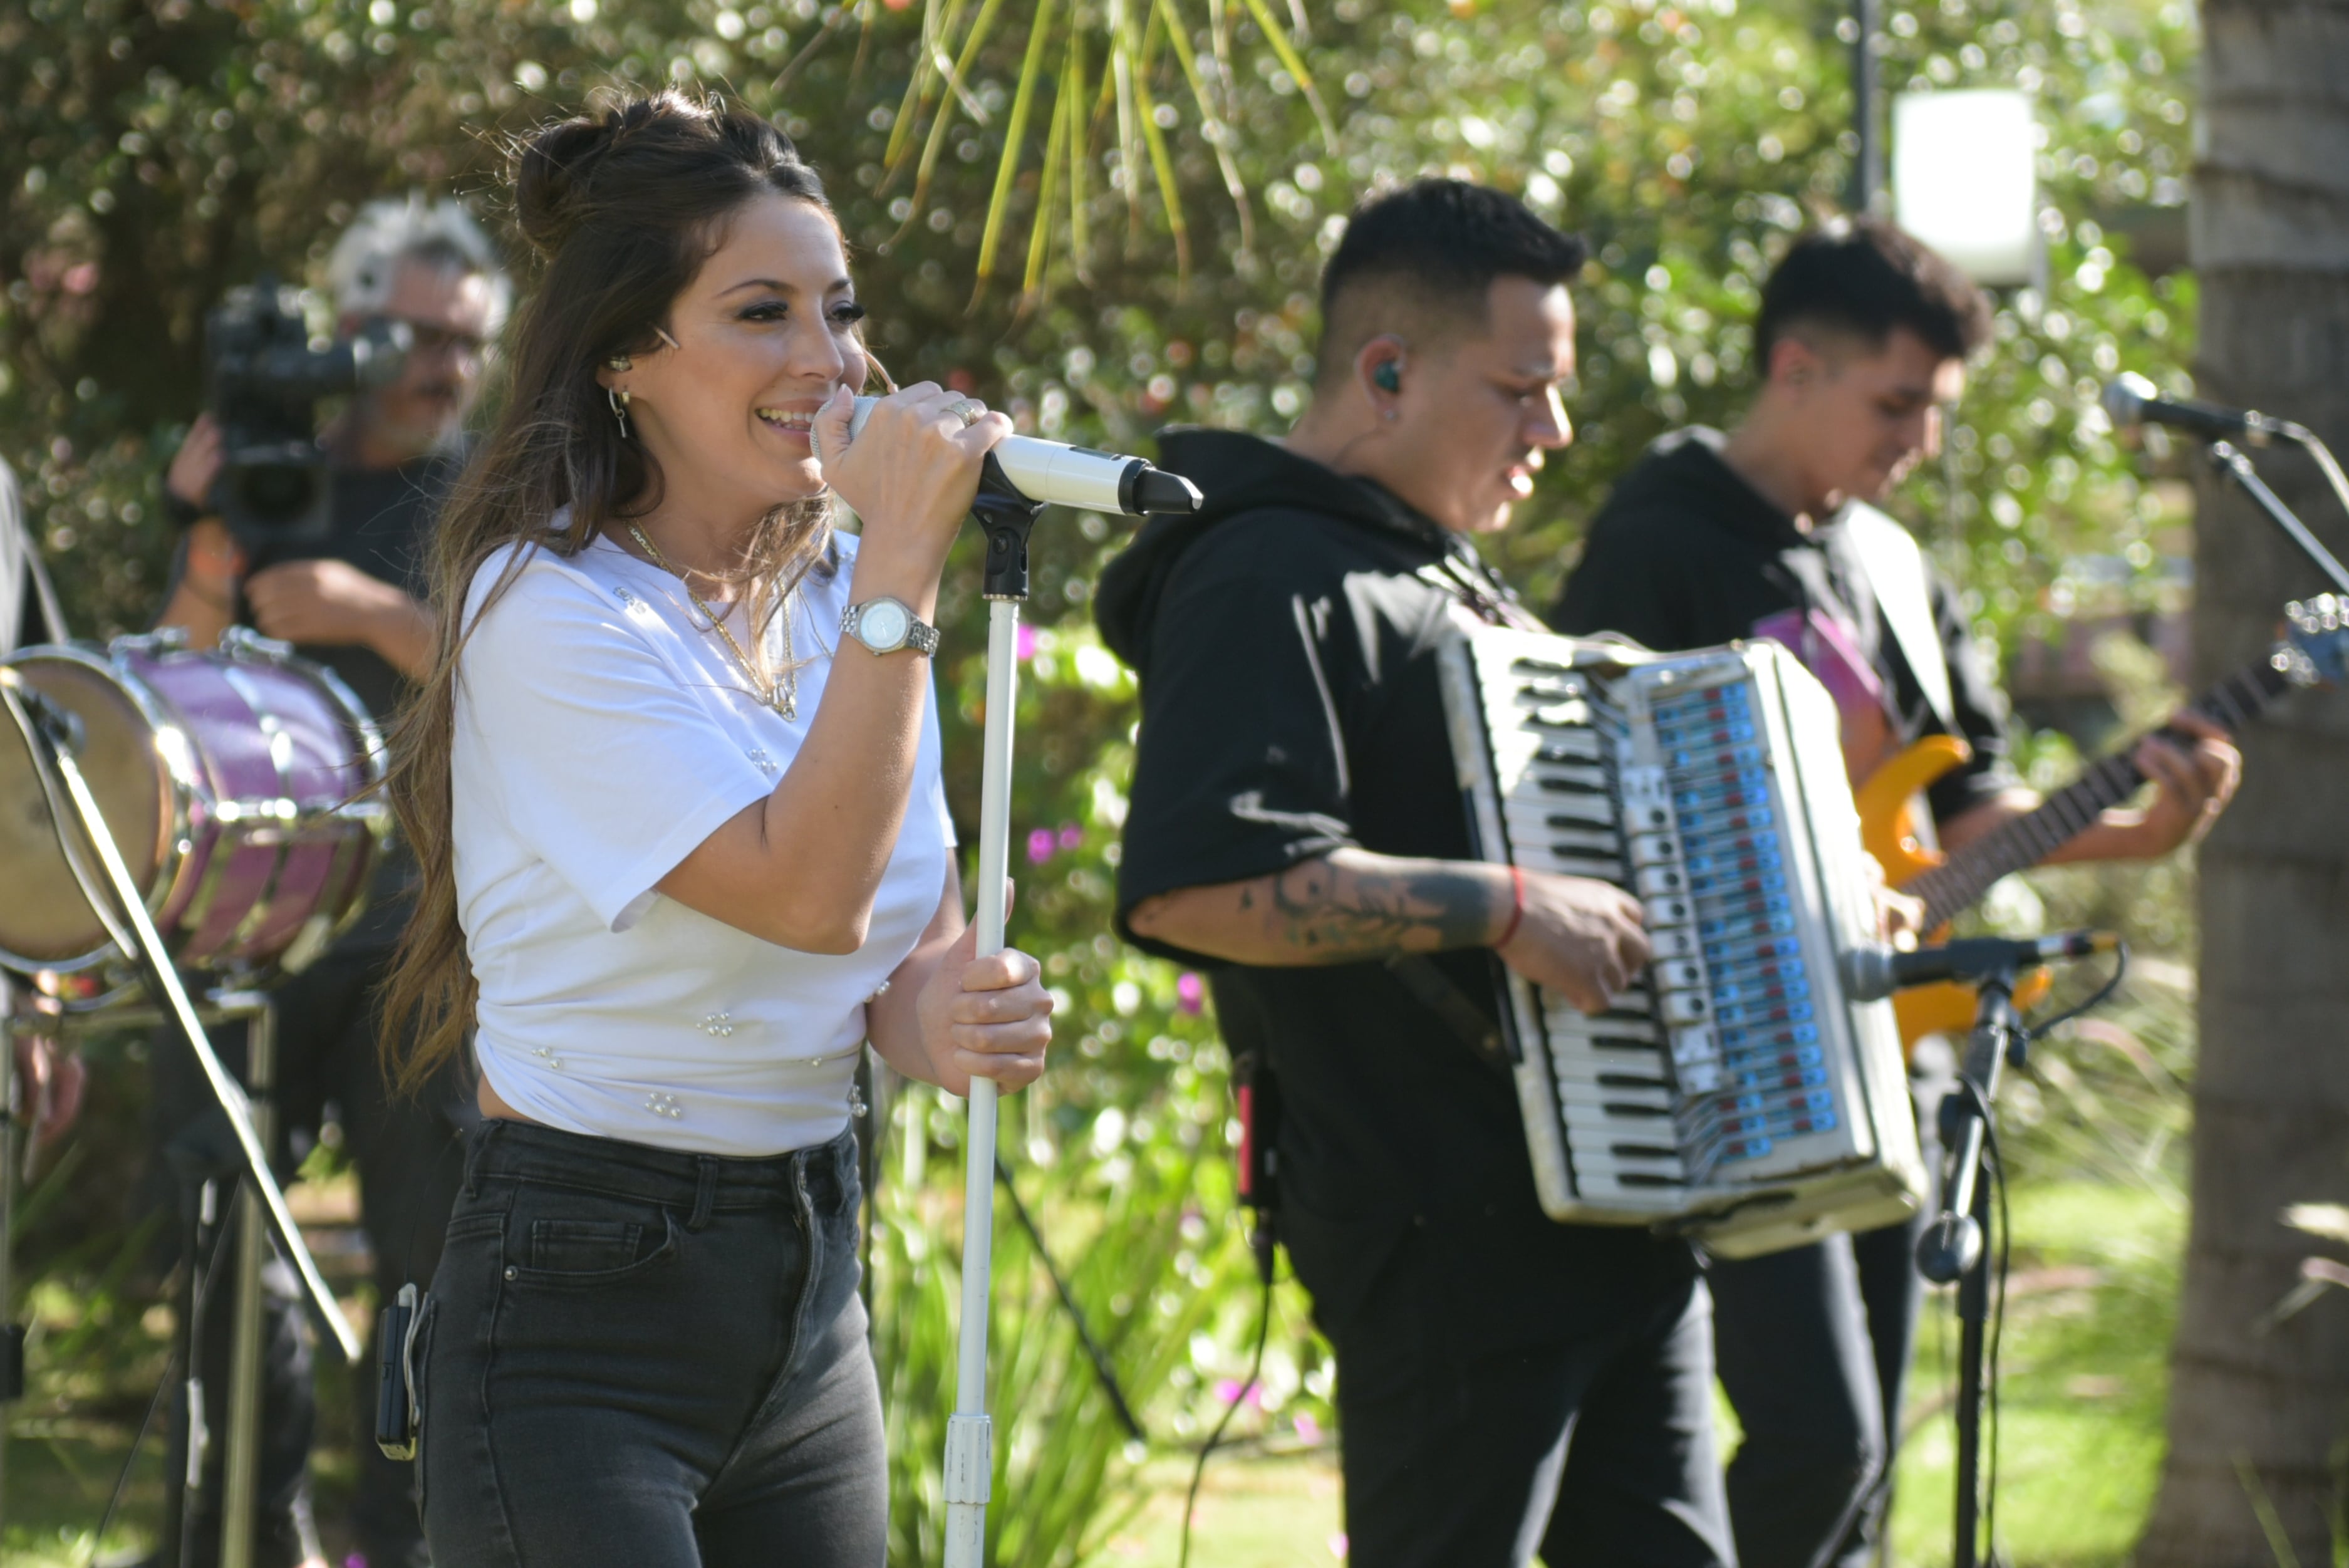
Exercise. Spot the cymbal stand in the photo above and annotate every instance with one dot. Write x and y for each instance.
(48, 732)
(970, 1432)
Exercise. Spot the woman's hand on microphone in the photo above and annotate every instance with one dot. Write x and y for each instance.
(985, 1017)
(911, 472)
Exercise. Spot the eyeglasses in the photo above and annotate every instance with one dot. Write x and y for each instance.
(426, 338)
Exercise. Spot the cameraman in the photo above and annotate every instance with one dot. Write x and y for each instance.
(349, 599)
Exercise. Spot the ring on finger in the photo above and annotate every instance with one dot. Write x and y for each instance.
(967, 410)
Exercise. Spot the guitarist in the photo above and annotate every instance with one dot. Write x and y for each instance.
(1862, 340)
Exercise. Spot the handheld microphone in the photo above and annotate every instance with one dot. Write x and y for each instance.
(1055, 473)
(1871, 972)
(2132, 400)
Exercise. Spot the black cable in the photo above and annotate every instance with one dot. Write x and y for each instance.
(1102, 1368)
(2120, 968)
(1255, 1367)
(122, 1477)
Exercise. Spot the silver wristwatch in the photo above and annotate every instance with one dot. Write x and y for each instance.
(884, 625)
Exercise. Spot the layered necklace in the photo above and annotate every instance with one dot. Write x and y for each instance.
(782, 694)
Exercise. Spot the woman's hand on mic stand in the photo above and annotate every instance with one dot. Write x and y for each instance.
(985, 1017)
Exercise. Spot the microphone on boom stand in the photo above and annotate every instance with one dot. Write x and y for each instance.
(2131, 400)
(1872, 973)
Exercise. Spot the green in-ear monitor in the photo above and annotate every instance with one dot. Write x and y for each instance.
(1388, 377)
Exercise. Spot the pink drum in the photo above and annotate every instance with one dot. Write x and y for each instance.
(238, 785)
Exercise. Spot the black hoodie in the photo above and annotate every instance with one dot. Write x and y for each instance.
(1285, 636)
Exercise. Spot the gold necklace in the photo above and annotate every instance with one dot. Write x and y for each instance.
(783, 695)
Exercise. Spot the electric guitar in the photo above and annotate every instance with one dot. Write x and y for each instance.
(2313, 651)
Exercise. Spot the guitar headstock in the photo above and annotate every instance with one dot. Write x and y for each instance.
(2315, 649)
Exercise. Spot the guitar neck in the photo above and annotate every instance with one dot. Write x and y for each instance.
(1957, 884)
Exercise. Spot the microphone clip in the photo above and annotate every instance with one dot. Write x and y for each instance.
(1006, 518)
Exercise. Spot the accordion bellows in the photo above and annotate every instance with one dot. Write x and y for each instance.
(1734, 1093)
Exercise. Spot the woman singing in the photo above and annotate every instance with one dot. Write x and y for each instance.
(674, 786)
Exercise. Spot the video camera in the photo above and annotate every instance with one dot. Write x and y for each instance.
(264, 376)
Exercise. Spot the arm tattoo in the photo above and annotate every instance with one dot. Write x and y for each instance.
(1349, 905)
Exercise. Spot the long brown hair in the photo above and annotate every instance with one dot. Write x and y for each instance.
(622, 207)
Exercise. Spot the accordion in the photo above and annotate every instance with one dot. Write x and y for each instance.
(1734, 1092)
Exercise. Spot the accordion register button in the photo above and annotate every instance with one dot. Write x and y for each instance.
(1659, 881)
(1686, 1006)
(1654, 848)
(1680, 974)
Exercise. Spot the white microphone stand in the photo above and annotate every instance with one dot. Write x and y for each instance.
(970, 1432)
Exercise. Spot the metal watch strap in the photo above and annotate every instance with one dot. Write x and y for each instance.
(920, 636)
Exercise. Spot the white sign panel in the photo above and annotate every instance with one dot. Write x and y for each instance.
(1964, 179)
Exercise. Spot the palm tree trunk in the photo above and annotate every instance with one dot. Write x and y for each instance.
(2258, 1416)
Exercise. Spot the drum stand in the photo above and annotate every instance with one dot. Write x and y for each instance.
(970, 1434)
(47, 731)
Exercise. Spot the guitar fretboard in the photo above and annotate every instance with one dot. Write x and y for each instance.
(1955, 885)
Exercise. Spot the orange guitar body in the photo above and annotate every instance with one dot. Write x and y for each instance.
(1889, 828)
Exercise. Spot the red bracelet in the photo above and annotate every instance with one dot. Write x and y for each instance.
(1516, 913)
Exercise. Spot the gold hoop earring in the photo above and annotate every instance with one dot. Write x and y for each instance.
(619, 401)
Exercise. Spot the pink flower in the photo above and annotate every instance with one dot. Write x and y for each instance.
(1039, 847)
(1308, 1430)
(1189, 991)
(1024, 641)
(1071, 835)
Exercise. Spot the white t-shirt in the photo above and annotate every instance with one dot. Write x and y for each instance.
(601, 735)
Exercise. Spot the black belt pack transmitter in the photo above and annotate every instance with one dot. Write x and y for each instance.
(397, 1414)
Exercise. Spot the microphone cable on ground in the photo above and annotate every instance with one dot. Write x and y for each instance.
(1239, 1398)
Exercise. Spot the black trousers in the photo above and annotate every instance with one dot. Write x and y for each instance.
(1594, 1451)
(1813, 1345)
(409, 1162)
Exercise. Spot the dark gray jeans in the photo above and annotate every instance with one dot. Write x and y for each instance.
(648, 1359)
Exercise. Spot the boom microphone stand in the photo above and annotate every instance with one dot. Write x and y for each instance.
(2231, 463)
(970, 1433)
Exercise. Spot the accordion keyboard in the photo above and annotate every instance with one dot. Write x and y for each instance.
(1732, 1089)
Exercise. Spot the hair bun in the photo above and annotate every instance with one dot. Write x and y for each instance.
(554, 170)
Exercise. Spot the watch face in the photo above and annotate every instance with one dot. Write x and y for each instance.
(883, 625)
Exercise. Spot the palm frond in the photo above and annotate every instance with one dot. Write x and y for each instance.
(1213, 129)
(944, 121)
(1294, 64)
(1015, 136)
